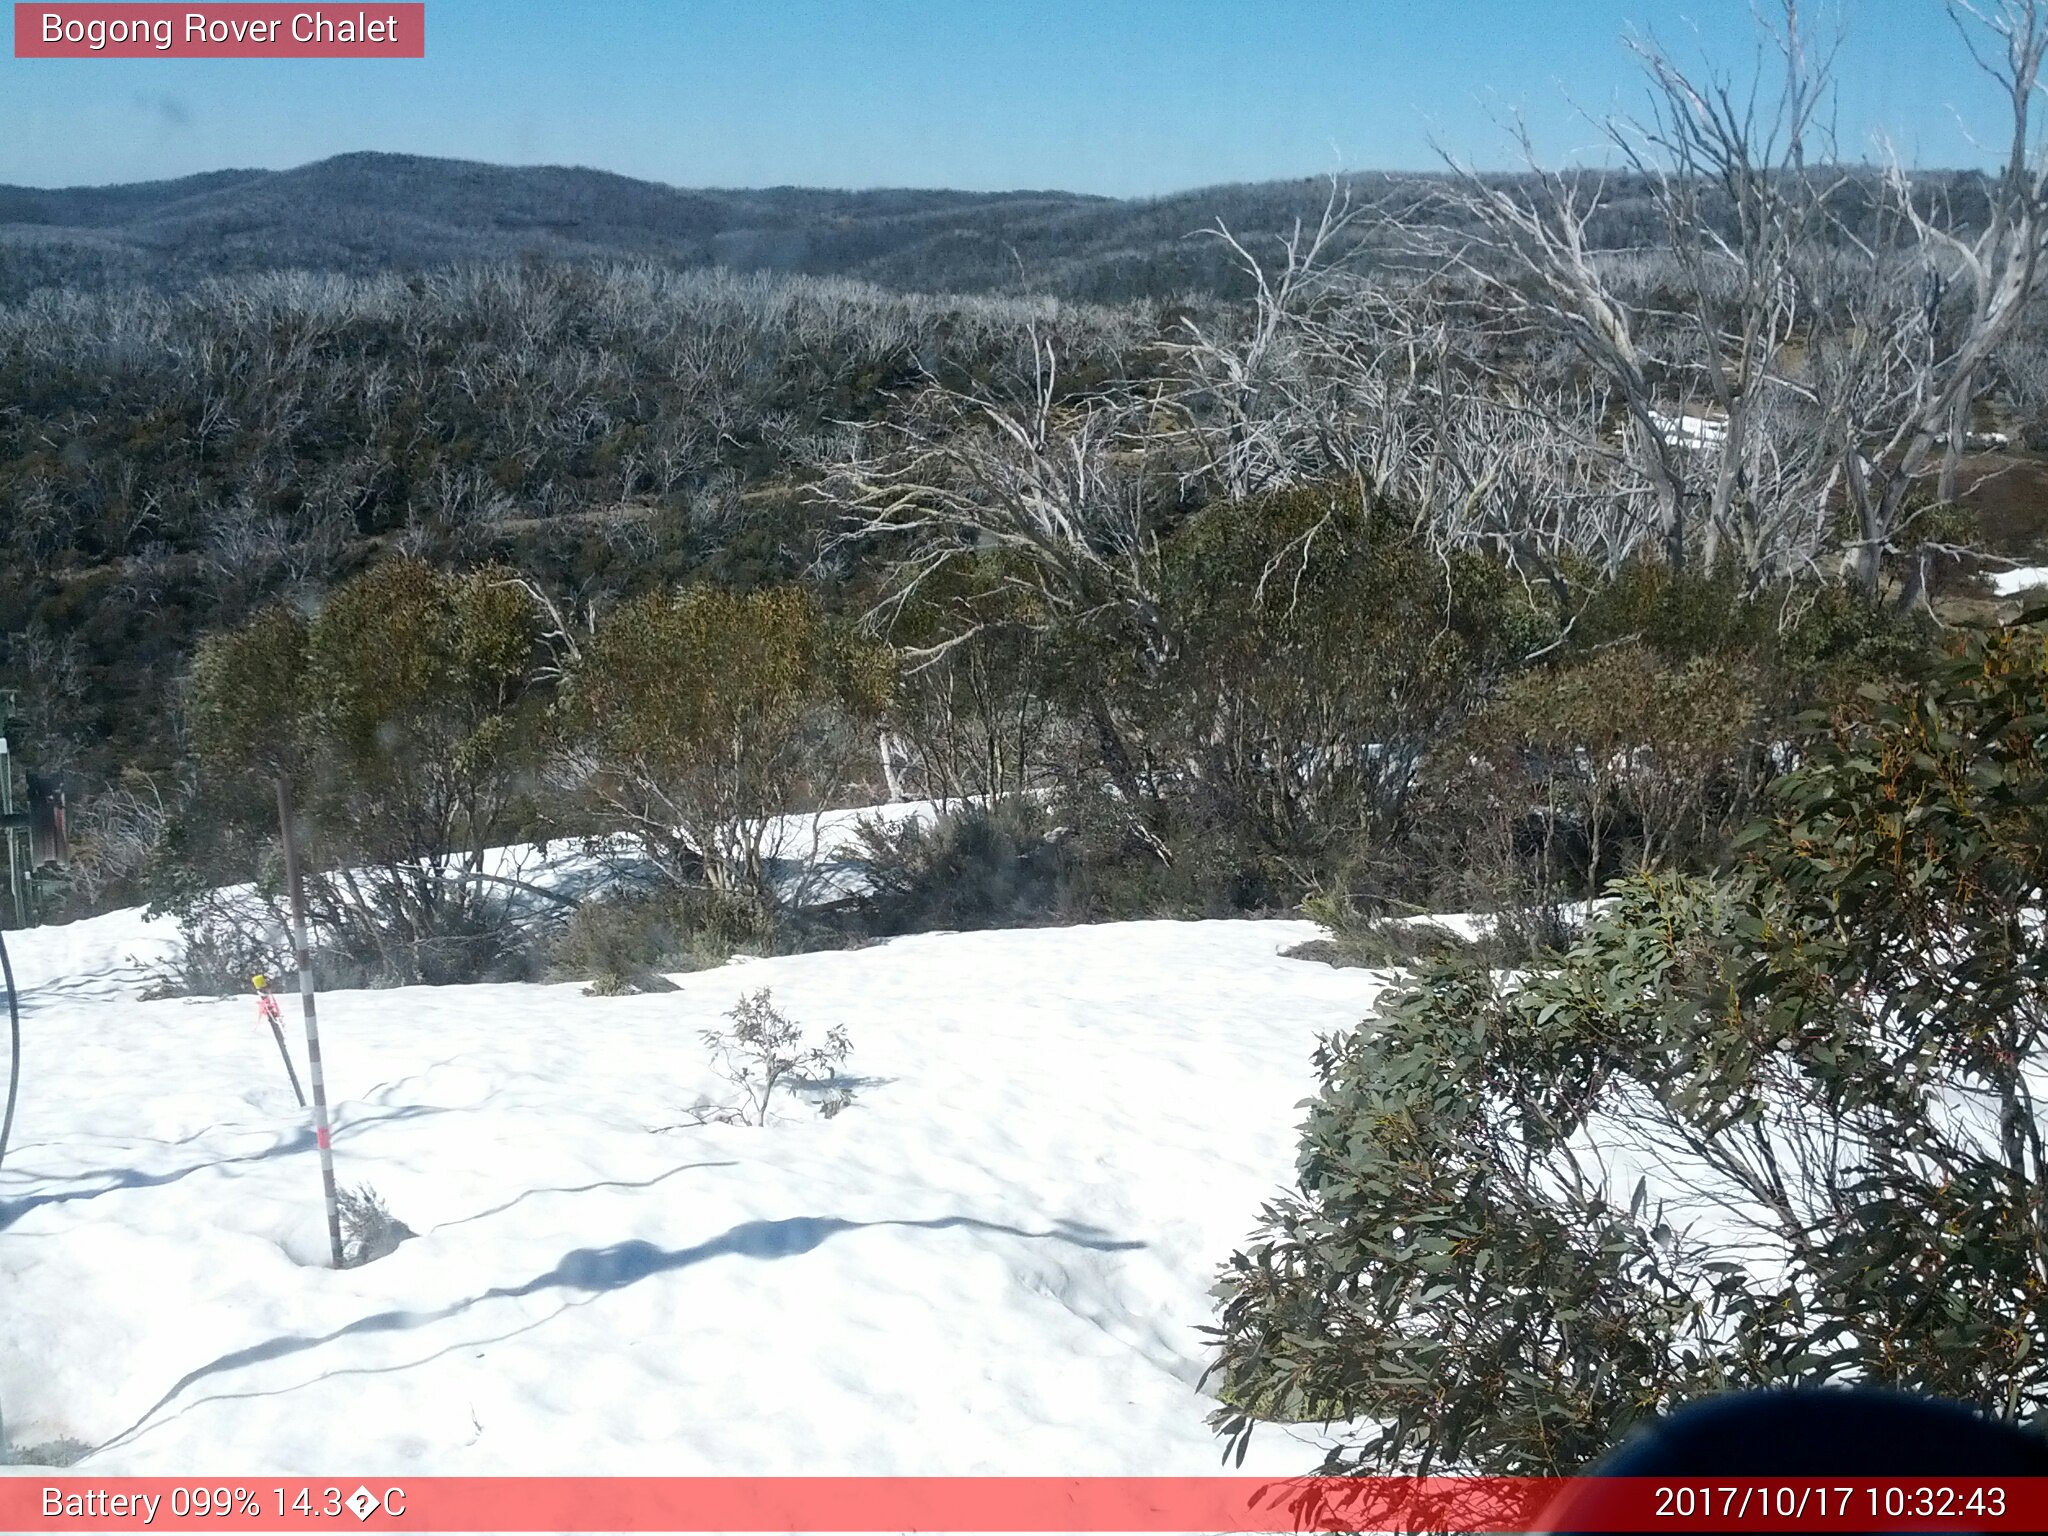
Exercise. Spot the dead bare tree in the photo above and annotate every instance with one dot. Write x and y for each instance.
(1694, 380)
(1047, 491)
(1258, 405)
(1045, 481)
(1382, 382)
(1802, 367)
(1956, 308)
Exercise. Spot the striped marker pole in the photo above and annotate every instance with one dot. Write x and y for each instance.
(303, 959)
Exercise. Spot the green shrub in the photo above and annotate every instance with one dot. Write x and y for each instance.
(1372, 941)
(247, 691)
(1810, 643)
(1714, 1146)
(993, 866)
(628, 941)
(406, 717)
(703, 715)
(1321, 651)
(978, 710)
(1576, 772)
(1182, 864)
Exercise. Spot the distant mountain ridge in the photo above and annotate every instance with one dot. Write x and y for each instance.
(380, 212)
(374, 212)
(365, 213)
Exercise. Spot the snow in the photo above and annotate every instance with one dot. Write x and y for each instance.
(2025, 579)
(1691, 430)
(996, 1261)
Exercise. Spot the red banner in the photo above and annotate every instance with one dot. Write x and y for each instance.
(1020, 1504)
(256, 30)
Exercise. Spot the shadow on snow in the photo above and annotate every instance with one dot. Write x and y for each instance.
(595, 1271)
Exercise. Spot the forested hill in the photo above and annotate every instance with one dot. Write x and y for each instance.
(367, 213)
(379, 213)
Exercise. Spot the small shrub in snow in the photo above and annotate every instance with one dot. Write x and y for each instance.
(996, 866)
(1372, 941)
(368, 1229)
(628, 942)
(764, 1050)
(1519, 931)
(704, 1112)
(62, 1452)
(1526, 929)
(217, 953)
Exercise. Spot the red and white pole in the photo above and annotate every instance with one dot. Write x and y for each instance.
(303, 959)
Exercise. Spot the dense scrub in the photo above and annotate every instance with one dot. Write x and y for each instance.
(1772, 1126)
(1391, 577)
(171, 463)
(1377, 731)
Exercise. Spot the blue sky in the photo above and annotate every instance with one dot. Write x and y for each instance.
(1124, 97)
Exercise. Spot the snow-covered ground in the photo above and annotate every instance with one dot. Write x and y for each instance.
(1692, 430)
(995, 1261)
(2026, 578)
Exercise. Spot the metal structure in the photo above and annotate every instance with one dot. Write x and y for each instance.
(37, 842)
(17, 874)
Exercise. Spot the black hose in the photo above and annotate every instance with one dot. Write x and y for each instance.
(14, 1060)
